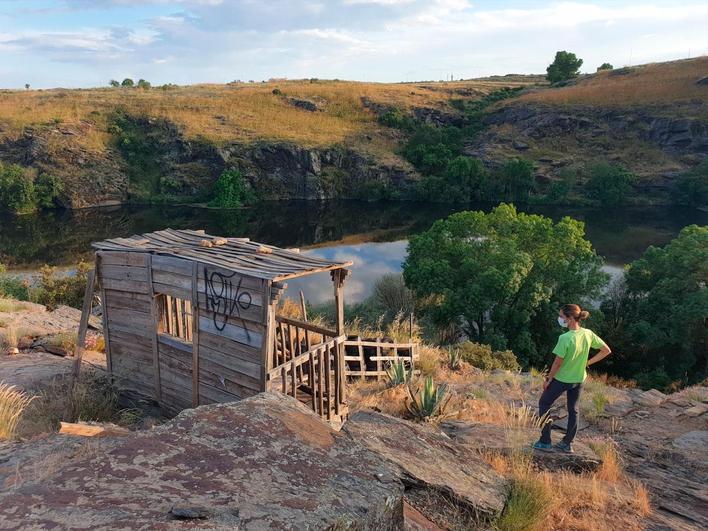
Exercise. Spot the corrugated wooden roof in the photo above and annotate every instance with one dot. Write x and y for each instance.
(235, 254)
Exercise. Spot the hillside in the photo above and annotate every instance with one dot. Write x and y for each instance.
(320, 139)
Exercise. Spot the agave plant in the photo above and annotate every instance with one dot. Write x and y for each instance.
(398, 373)
(453, 358)
(428, 402)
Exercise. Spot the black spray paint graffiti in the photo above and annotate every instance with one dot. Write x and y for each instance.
(223, 300)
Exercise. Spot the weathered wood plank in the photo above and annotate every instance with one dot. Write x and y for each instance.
(195, 336)
(128, 318)
(119, 326)
(209, 394)
(175, 343)
(123, 258)
(125, 285)
(83, 323)
(251, 313)
(228, 373)
(232, 331)
(132, 350)
(228, 347)
(172, 279)
(171, 264)
(224, 383)
(139, 274)
(239, 365)
(215, 274)
(172, 291)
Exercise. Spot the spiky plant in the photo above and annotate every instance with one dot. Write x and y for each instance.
(398, 373)
(12, 403)
(427, 402)
(453, 359)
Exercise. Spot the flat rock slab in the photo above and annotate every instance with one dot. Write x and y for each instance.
(426, 458)
(33, 371)
(492, 438)
(650, 398)
(562, 424)
(692, 440)
(266, 462)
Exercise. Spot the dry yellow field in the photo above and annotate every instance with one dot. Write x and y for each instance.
(234, 112)
(656, 83)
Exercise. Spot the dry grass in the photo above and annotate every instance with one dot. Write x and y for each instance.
(234, 112)
(8, 339)
(13, 306)
(13, 403)
(654, 83)
(542, 499)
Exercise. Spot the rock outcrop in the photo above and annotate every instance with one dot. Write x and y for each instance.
(427, 459)
(261, 463)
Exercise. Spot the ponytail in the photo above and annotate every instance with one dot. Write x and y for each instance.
(574, 311)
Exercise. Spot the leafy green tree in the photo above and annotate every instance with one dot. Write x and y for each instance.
(143, 84)
(560, 189)
(516, 178)
(501, 277)
(231, 190)
(605, 66)
(48, 189)
(127, 82)
(462, 181)
(692, 187)
(609, 183)
(114, 83)
(430, 149)
(565, 66)
(665, 316)
(17, 192)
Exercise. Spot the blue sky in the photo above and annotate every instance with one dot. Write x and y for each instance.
(84, 43)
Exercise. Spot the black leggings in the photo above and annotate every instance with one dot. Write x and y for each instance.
(550, 395)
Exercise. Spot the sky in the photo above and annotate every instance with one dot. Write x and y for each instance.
(85, 43)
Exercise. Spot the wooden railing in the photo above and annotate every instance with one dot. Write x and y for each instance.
(309, 366)
(380, 355)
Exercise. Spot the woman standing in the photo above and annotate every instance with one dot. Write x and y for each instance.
(568, 373)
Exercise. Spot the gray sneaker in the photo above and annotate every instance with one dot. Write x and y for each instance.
(563, 446)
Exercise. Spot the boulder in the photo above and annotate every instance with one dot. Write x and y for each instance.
(264, 462)
(427, 459)
(520, 146)
(650, 398)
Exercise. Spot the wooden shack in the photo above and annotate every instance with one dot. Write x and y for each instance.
(190, 319)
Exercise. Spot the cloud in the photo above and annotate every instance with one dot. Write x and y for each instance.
(383, 40)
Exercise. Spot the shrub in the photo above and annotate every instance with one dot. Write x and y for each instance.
(114, 83)
(145, 85)
(127, 82)
(17, 192)
(528, 504)
(483, 357)
(231, 190)
(428, 402)
(604, 66)
(13, 287)
(609, 183)
(560, 189)
(13, 402)
(564, 66)
(516, 178)
(277, 92)
(391, 294)
(48, 188)
(396, 118)
(691, 188)
(54, 290)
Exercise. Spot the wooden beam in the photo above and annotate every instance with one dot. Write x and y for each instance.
(104, 319)
(155, 317)
(195, 334)
(83, 323)
(303, 307)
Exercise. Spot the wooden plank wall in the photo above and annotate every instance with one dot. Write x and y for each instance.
(229, 329)
(127, 306)
(230, 348)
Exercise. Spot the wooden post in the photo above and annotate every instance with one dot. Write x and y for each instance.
(83, 323)
(338, 276)
(303, 306)
(195, 334)
(104, 320)
(155, 320)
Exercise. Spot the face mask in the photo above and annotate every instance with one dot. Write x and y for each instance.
(562, 322)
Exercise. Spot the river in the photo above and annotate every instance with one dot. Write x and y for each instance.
(371, 234)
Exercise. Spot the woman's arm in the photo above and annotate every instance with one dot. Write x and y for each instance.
(604, 352)
(552, 373)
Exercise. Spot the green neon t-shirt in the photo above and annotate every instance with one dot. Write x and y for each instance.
(574, 347)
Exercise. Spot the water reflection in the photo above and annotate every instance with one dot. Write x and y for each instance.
(371, 234)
